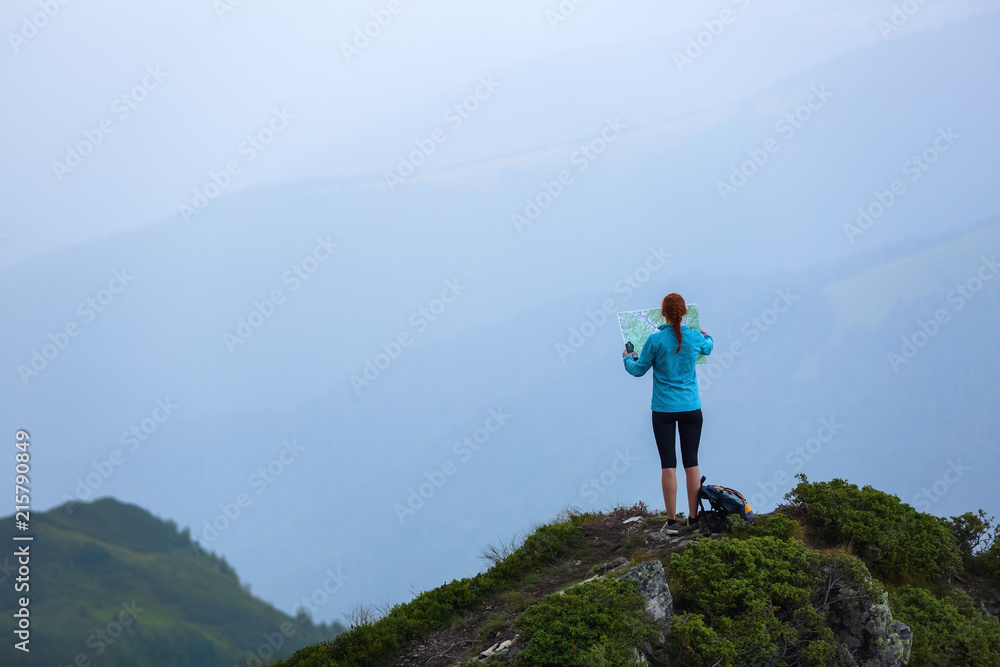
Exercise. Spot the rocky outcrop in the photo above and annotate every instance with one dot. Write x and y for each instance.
(659, 605)
(863, 622)
(653, 586)
(882, 642)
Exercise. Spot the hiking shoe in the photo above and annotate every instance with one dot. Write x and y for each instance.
(694, 524)
(670, 527)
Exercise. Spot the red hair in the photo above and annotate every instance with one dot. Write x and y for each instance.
(673, 310)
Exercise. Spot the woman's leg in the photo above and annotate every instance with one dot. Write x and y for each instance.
(664, 428)
(669, 480)
(693, 481)
(689, 426)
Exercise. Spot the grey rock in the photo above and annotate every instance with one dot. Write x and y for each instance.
(658, 540)
(864, 623)
(514, 650)
(497, 649)
(653, 586)
(905, 639)
(887, 642)
(659, 605)
(508, 649)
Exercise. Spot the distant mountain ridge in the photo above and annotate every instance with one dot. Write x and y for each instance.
(113, 585)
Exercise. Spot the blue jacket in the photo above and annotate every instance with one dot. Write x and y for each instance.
(675, 385)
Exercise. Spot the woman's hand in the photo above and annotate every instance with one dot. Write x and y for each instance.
(626, 353)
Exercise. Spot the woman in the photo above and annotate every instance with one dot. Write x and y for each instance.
(672, 352)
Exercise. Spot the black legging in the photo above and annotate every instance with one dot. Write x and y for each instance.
(689, 425)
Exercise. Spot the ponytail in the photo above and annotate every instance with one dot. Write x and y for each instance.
(673, 310)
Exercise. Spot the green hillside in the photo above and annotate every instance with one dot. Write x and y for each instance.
(839, 576)
(112, 585)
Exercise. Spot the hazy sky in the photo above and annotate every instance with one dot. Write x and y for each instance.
(224, 70)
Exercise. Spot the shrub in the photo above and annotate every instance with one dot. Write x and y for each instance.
(973, 531)
(694, 643)
(764, 525)
(752, 598)
(978, 542)
(948, 630)
(764, 600)
(595, 623)
(897, 543)
(988, 562)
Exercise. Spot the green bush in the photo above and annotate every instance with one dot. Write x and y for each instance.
(764, 525)
(745, 601)
(897, 543)
(948, 630)
(988, 562)
(695, 643)
(978, 542)
(596, 623)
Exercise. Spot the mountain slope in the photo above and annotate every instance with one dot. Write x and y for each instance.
(117, 586)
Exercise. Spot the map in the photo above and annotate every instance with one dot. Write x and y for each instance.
(637, 325)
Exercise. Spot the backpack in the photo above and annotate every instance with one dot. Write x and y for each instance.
(723, 502)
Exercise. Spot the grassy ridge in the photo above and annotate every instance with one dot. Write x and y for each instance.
(374, 643)
(782, 591)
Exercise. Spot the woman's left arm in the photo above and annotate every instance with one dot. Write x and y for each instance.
(707, 344)
(639, 367)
